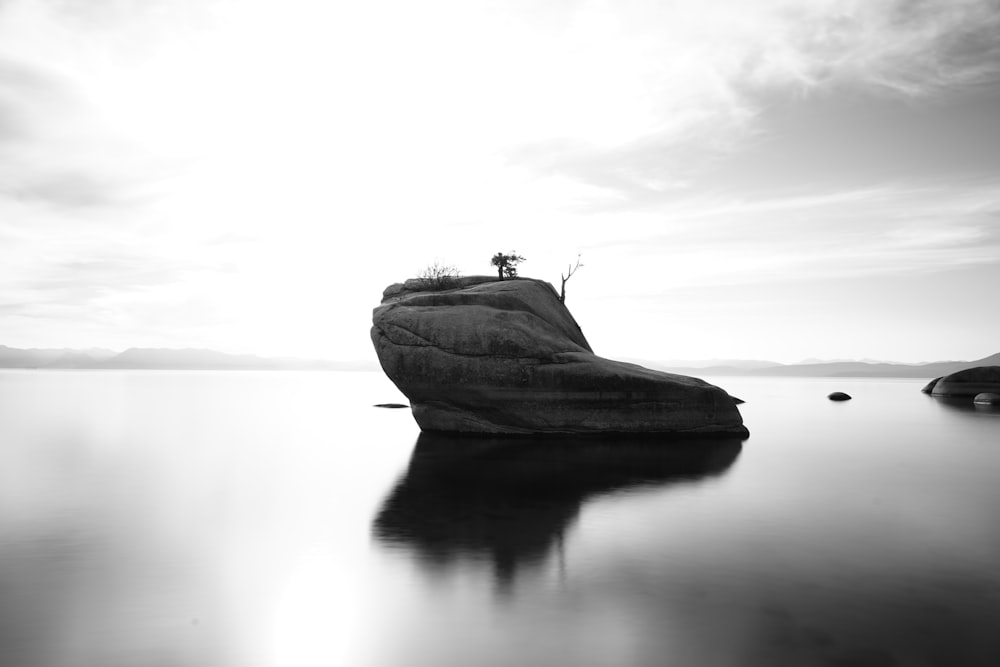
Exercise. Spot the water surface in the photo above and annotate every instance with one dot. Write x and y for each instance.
(157, 519)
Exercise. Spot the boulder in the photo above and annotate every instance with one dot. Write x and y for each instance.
(969, 383)
(987, 398)
(507, 357)
(839, 396)
(929, 387)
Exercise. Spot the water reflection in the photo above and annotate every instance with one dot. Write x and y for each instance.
(510, 501)
(965, 404)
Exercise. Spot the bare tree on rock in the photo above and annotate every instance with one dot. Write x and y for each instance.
(569, 274)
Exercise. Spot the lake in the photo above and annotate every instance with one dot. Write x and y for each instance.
(245, 519)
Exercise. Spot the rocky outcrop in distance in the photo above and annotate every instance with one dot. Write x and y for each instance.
(967, 383)
(507, 357)
(826, 369)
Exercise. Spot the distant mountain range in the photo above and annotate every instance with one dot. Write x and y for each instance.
(825, 369)
(163, 359)
(190, 359)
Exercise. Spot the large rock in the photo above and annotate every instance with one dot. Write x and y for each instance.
(968, 383)
(508, 357)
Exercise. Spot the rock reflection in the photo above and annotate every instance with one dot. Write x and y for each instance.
(510, 501)
(965, 404)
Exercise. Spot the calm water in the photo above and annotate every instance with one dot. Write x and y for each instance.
(278, 520)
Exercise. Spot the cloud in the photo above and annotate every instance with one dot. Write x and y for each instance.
(61, 61)
(873, 232)
(913, 48)
(91, 277)
(647, 170)
(124, 28)
(133, 134)
(710, 70)
(21, 87)
(55, 151)
(72, 285)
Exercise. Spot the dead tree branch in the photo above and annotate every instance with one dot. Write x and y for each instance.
(571, 269)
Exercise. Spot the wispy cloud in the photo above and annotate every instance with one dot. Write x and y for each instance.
(60, 67)
(55, 151)
(713, 68)
(875, 232)
(77, 292)
(910, 47)
(326, 147)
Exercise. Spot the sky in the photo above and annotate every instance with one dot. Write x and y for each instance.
(775, 179)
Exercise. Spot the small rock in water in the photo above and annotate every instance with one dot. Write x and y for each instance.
(839, 396)
(987, 398)
(391, 405)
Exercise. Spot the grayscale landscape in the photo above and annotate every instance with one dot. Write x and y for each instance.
(568, 333)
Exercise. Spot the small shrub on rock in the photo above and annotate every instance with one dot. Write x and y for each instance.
(439, 276)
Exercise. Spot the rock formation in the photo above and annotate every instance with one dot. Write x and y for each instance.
(968, 383)
(987, 398)
(839, 396)
(491, 356)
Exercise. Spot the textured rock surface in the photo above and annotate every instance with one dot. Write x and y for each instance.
(978, 380)
(929, 387)
(508, 357)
